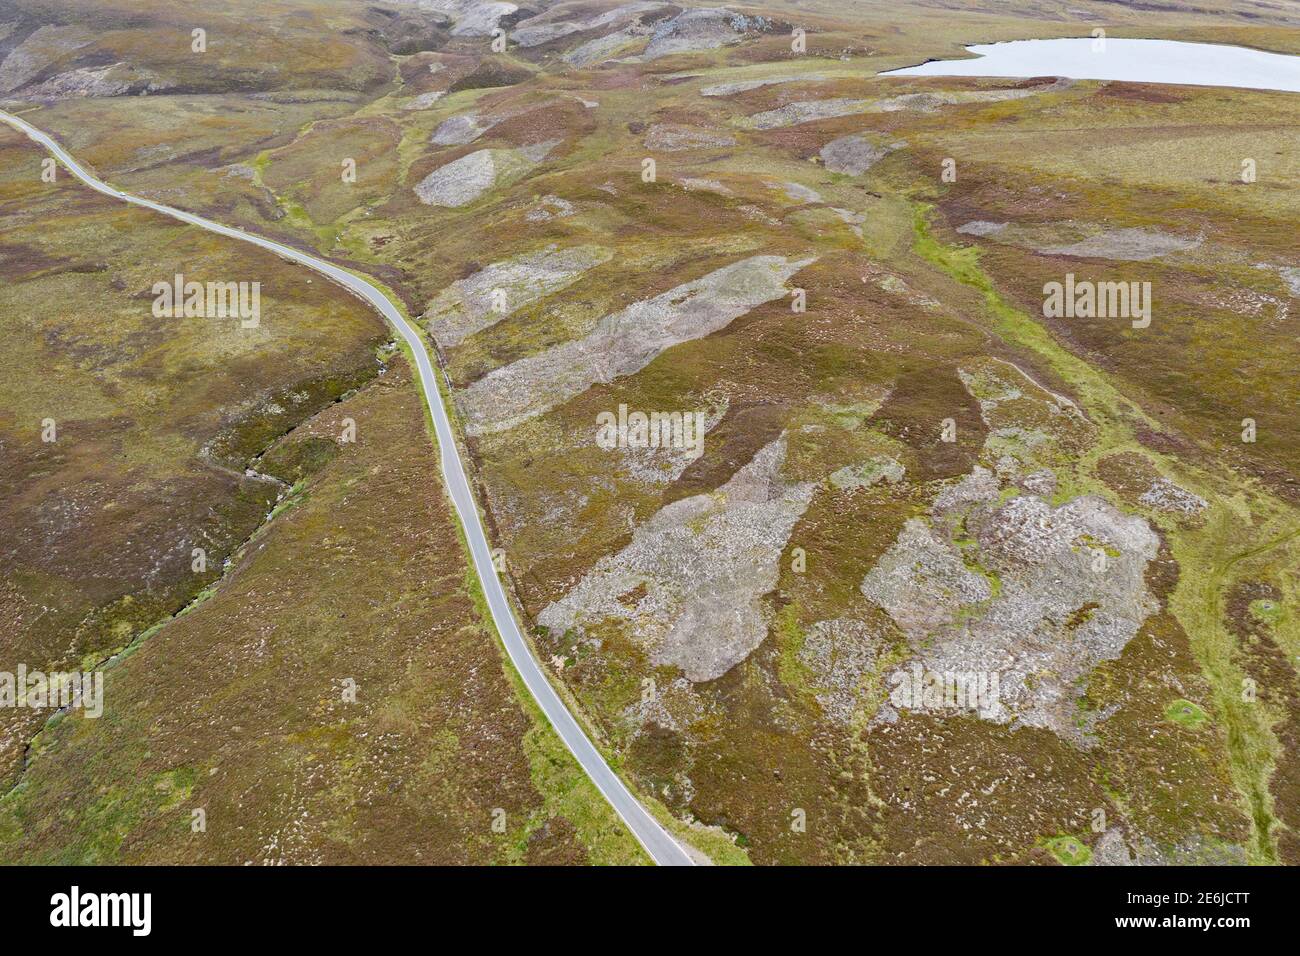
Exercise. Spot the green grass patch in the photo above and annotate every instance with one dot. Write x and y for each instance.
(1266, 611)
(1069, 850)
(794, 673)
(1186, 714)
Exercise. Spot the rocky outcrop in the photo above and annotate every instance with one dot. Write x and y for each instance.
(841, 656)
(689, 586)
(555, 23)
(672, 138)
(465, 180)
(481, 300)
(703, 29)
(744, 86)
(1035, 594)
(854, 155)
(624, 342)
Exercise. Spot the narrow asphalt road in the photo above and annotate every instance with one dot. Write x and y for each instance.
(657, 842)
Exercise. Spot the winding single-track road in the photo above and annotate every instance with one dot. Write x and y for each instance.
(663, 849)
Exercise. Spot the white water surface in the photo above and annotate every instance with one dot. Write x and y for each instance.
(1134, 61)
